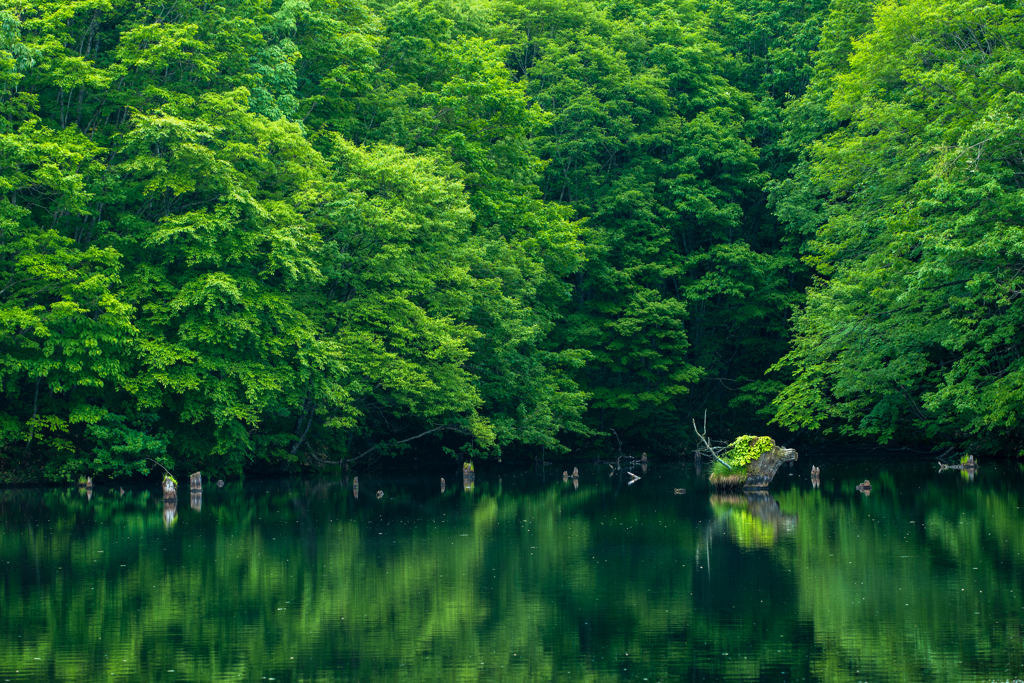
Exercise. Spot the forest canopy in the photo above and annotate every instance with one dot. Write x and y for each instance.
(284, 233)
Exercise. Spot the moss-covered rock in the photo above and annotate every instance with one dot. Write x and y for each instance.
(754, 460)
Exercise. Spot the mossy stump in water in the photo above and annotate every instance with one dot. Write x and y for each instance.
(754, 461)
(170, 486)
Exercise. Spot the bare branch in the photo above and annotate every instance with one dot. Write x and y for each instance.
(453, 428)
(708, 448)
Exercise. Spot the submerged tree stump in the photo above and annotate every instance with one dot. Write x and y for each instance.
(754, 461)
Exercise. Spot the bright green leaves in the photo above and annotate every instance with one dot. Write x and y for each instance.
(15, 56)
(297, 230)
(743, 451)
(283, 293)
(173, 51)
(917, 325)
(66, 333)
(65, 338)
(223, 305)
(450, 97)
(60, 319)
(398, 283)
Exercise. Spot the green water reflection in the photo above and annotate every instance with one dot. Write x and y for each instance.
(523, 577)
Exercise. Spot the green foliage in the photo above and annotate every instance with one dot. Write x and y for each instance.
(746, 449)
(912, 328)
(742, 451)
(647, 140)
(286, 233)
(199, 265)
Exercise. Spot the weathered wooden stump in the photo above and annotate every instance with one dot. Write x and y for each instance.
(170, 488)
(195, 482)
(754, 462)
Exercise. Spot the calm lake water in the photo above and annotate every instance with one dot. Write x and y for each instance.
(523, 577)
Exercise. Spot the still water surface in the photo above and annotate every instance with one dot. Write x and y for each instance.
(523, 577)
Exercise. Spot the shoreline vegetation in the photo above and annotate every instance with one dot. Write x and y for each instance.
(288, 234)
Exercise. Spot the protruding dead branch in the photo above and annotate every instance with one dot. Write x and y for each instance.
(709, 450)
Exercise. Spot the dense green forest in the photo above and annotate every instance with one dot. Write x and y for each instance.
(292, 232)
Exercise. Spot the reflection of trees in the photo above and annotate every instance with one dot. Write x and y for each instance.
(863, 611)
(353, 589)
(897, 595)
(537, 584)
(753, 518)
